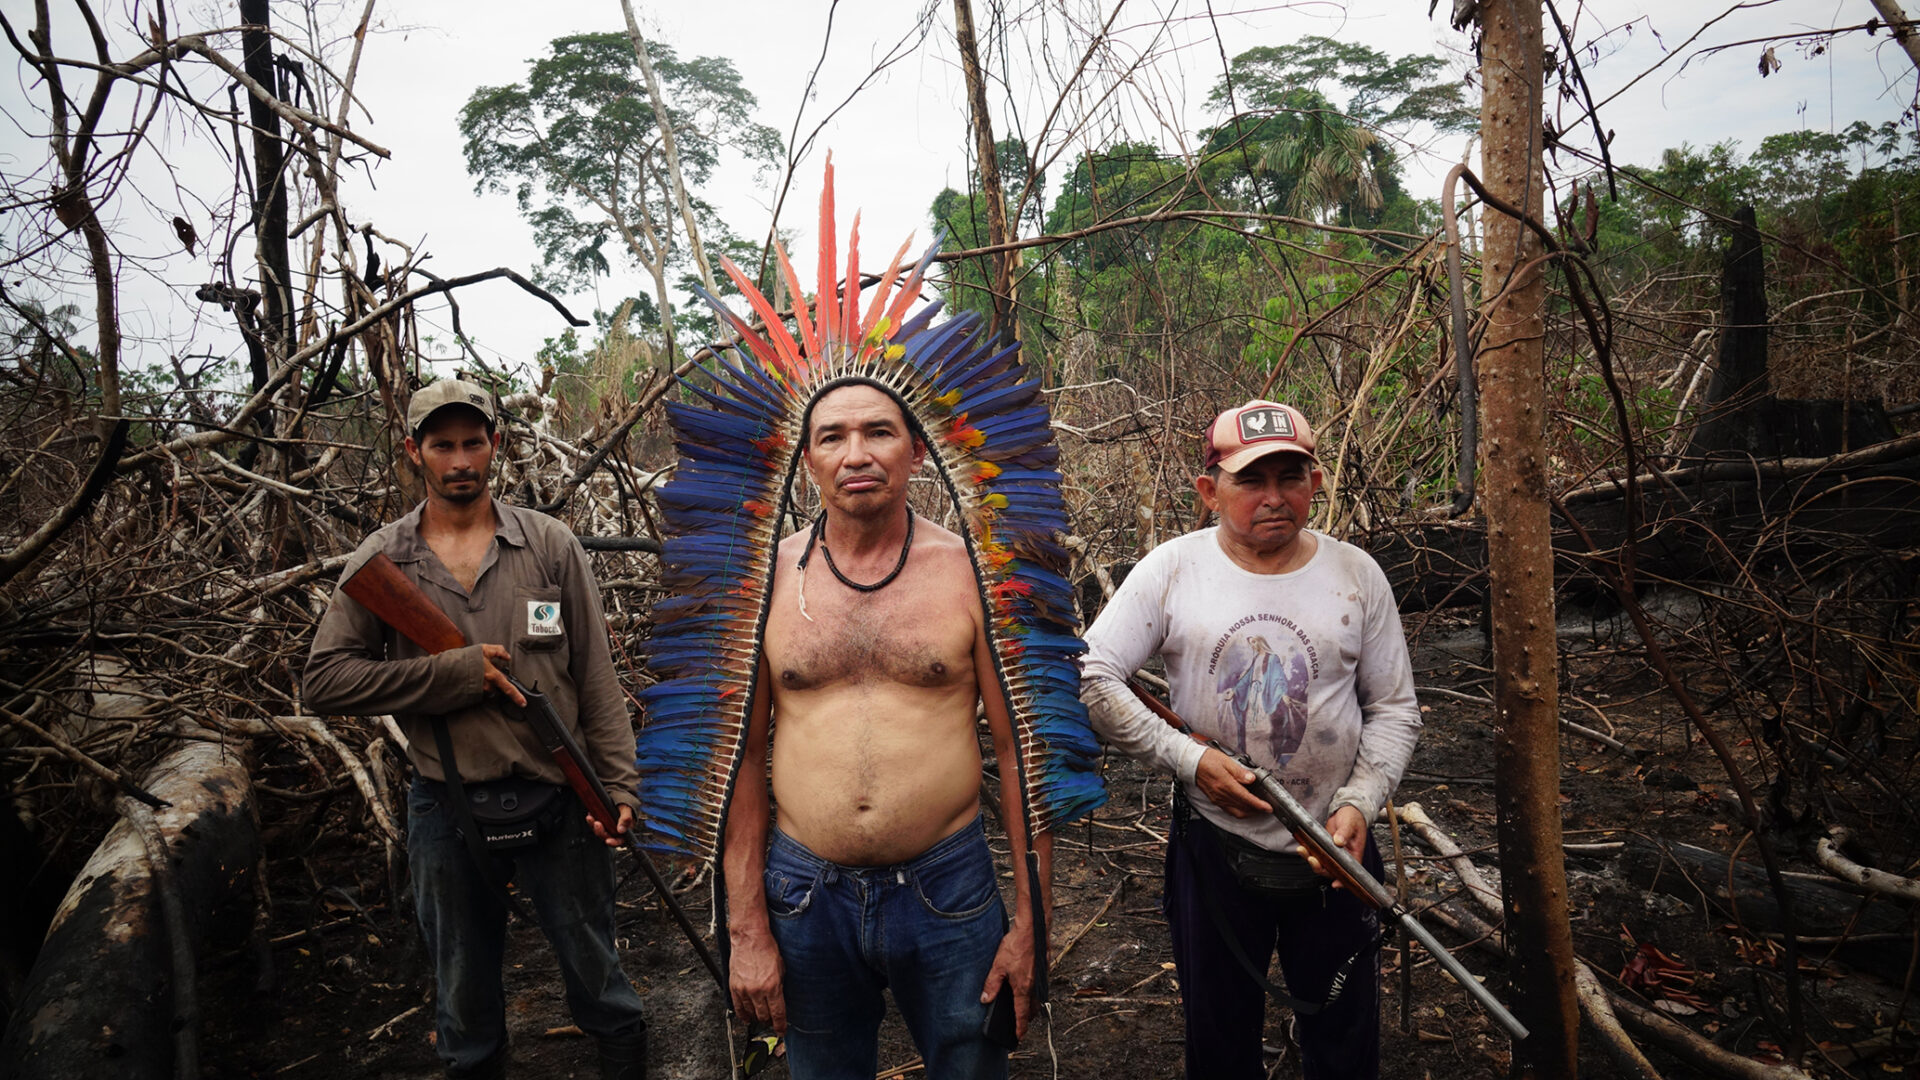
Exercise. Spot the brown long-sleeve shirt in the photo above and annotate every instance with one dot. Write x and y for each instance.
(535, 595)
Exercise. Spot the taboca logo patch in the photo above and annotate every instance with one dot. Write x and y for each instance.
(543, 618)
(1260, 425)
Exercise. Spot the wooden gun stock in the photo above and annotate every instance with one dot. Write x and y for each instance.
(381, 588)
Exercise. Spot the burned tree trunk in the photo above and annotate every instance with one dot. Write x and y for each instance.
(1520, 548)
(104, 997)
(1743, 419)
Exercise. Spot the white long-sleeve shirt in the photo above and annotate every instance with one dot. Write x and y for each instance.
(1306, 672)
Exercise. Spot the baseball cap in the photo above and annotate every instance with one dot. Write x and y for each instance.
(1243, 435)
(435, 396)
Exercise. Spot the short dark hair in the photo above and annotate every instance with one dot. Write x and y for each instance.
(906, 416)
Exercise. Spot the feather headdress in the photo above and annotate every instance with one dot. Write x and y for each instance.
(987, 434)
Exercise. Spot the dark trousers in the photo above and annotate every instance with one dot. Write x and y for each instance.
(1314, 934)
(463, 916)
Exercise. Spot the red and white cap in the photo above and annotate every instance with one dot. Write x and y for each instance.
(1247, 433)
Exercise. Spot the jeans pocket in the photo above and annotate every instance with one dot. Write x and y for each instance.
(959, 887)
(788, 896)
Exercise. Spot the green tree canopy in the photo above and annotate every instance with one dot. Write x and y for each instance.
(1313, 123)
(578, 145)
(1367, 85)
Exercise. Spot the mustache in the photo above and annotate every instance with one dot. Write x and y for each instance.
(459, 475)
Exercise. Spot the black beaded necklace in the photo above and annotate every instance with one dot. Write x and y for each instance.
(819, 538)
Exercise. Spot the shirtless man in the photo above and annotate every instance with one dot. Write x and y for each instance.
(878, 874)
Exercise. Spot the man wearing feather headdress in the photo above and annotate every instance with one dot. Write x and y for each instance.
(1284, 644)
(852, 659)
(877, 874)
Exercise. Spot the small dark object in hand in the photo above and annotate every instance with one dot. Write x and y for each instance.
(999, 1027)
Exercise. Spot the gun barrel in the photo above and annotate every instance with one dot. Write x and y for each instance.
(1348, 869)
(1461, 975)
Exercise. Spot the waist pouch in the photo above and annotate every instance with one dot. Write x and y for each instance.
(515, 812)
(1260, 871)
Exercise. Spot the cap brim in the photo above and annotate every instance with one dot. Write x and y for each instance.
(1241, 459)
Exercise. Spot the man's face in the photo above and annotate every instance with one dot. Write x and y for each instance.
(1263, 506)
(860, 451)
(454, 451)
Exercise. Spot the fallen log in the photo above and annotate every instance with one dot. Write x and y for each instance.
(1417, 822)
(102, 998)
(1597, 1004)
(1702, 529)
(1610, 1015)
(1733, 889)
(1680, 1041)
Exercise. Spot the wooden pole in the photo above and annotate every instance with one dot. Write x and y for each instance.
(1520, 547)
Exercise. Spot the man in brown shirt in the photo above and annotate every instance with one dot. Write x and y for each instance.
(517, 583)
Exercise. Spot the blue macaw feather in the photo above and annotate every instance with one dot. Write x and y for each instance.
(1018, 391)
(1026, 457)
(725, 404)
(1046, 479)
(1021, 425)
(749, 381)
(970, 366)
(719, 428)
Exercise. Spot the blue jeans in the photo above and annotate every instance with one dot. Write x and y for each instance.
(568, 877)
(927, 929)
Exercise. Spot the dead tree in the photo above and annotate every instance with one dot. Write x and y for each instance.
(988, 164)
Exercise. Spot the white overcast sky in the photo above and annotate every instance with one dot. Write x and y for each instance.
(898, 143)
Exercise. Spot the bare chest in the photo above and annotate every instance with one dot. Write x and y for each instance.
(904, 639)
(462, 557)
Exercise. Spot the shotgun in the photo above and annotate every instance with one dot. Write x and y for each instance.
(381, 588)
(1315, 841)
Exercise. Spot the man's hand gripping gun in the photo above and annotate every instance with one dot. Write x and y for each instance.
(1315, 841)
(381, 588)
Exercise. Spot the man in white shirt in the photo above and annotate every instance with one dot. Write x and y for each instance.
(1283, 644)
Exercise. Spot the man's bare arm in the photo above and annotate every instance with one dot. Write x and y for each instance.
(755, 972)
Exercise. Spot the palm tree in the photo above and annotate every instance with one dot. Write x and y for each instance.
(1329, 158)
